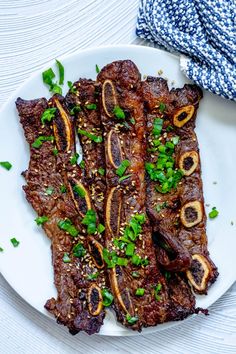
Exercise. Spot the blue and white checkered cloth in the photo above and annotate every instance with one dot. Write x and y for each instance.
(203, 30)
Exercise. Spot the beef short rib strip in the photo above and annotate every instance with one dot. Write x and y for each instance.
(141, 295)
(82, 101)
(177, 212)
(79, 304)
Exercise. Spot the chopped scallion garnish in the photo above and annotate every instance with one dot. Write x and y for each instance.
(41, 220)
(15, 242)
(6, 164)
(213, 213)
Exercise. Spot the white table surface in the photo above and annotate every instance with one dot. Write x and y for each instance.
(32, 32)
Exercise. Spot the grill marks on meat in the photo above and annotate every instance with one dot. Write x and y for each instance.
(73, 304)
(181, 218)
(126, 198)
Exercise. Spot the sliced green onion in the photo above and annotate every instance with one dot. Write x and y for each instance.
(6, 164)
(74, 159)
(107, 297)
(130, 249)
(91, 106)
(100, 228)
(162, 107)
(101, 171)
(63, 188)
(49, 191)
(140, 291)
(55, 152)
(122, 261)
(135, 274)
(67, 226)
(90, 221)
(97, 69)
(1, 249)
(79, 250)
(40, 140)
(48, 115)
(75, 109)
(124, 177)
(122, 168)
(131, 319)
(213, 213)
(157, 291)
(41, 220)
(82, 164)
(79, 190)
(93, 137)
(92, 276)
(61, 72)
(15, 242)
(119, 113)
(66, 258)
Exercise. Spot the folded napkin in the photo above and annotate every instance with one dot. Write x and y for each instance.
(204, 31)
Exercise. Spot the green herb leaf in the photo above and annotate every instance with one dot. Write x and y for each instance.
(90, 221)
(130, 249)
(134, 228)
(169, 128)
(110, 258)
(41, 220)
(157, 126)
(67, 226)
(138, 261)
(14, 242)
(79, 250)
(162, 107)
(49, 191)
(6, 164)
(97, 69)
(92, 276)
(1, 249)
(140, 291)
(40, 140)
(79, 190)
(131, 319)
(213, 213)
(107, 297)
(122, 168)
(132, 120)
(75, 109)
(135, 274)
(175, 140)
(48, 115)
(122, 261)
(55, 152)
(91, 106)
(100, 228)
(157, 291)
(82, 164)
(101, 171)
(63, 188)
(56, 89)
(124, 177)
(161, 206)
(61, 72)
(118, 112)
(66, 258)
(74, 159)
(72, 88)
(48, 76)
(93, 137)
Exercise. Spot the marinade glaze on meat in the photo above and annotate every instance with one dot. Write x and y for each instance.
(79, 304)
(115, 117)
(178, 215)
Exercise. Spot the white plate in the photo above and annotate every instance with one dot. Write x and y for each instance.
(28, 268)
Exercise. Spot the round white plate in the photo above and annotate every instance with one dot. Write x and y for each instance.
(28, 267)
